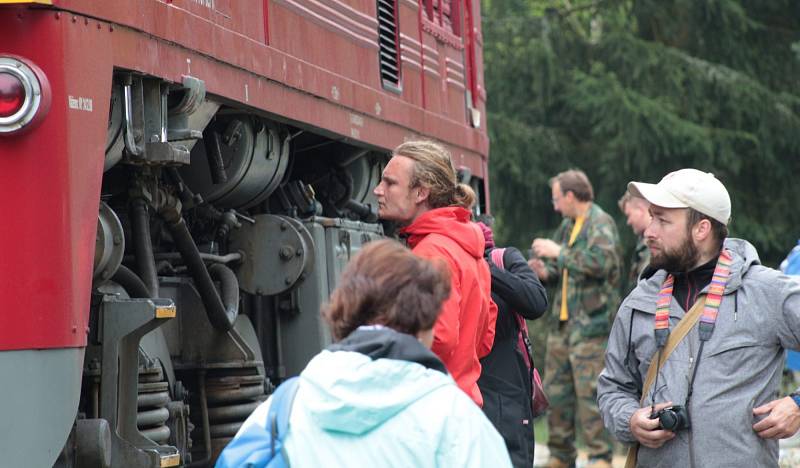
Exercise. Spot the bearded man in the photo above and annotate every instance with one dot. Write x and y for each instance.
(696, 351)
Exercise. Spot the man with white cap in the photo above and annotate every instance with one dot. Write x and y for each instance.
(696, 351)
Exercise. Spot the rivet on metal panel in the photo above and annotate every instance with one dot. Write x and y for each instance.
(58, 15)
(111, 27)
(286, 252)
(86, 21)
(74, 329)
(74, 19)
(99, 26)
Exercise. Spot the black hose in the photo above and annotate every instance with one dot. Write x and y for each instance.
(143, 246)
(214, 154)
(129, 280)
(219, 317)
(230, 289)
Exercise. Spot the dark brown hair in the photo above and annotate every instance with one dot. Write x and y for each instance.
(718, 230)
(433, 169)
(575, 181)
(385, 284)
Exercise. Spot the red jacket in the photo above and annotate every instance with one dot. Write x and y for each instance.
(464, 331)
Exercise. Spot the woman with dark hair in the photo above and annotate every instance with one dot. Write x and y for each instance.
(379, 396)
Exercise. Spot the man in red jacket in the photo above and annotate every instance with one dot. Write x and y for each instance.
(420, 191)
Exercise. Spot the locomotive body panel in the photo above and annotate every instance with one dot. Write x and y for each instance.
(183, 121)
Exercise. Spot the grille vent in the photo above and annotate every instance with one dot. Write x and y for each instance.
(388, 44)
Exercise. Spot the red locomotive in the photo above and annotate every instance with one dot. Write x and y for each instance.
(181, 183)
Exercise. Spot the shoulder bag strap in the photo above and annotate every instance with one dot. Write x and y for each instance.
(675, 337)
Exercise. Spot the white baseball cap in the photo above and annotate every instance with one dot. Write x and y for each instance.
(688, 188)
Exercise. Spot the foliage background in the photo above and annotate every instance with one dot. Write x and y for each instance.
(630, 90)
(633, 89)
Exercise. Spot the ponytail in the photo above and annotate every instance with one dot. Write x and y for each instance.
(464, 196)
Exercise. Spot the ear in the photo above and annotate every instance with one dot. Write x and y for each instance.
(702, 230)
(421, 194)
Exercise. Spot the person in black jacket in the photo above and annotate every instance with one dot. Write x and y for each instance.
(505, 380)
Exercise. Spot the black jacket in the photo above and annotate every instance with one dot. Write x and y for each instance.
(505, 381)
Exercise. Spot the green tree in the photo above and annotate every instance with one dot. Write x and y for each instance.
(632, 89)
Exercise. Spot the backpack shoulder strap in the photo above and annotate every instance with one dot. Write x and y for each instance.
(497, 258)
(280, 409)
(524, 341)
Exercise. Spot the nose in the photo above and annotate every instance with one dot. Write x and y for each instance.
(378, 191)
(649, 231)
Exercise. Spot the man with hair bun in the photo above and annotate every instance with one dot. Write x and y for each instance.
(420, 191)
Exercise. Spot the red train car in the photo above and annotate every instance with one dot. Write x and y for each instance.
(181, 183)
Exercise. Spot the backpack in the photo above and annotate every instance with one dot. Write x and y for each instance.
(791, 265)
(261, 445)
(539, 400)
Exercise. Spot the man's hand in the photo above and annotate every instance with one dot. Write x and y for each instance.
(545, 248)
(537, 265)
(782, 422)
(647, 430)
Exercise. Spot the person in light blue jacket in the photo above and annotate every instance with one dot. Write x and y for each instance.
(379, 396)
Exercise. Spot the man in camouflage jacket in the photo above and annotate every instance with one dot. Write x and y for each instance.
(584, 254)
(637, 213)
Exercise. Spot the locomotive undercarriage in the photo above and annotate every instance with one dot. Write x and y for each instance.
(221, 232)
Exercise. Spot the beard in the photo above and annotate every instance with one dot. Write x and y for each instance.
(681, 259)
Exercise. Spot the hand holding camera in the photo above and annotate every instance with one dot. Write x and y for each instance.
(673, 418)
(649, 431)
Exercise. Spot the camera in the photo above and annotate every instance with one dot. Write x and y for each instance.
(674, 418)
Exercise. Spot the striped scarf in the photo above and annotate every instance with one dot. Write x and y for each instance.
(722, 273)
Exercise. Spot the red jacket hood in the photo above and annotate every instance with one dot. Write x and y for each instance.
(450, 221)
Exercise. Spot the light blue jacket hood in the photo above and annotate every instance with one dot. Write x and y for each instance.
(388, 404)
(348, 392)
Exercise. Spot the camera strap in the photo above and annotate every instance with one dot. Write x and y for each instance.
(722, 273)
(678, 334)
(705, 310)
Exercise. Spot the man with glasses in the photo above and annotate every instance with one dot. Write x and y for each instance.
(584, 260)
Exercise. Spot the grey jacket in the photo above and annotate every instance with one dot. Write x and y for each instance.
(740, 367)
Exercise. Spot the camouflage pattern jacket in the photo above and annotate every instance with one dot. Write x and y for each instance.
(594, 267)
(639, 261)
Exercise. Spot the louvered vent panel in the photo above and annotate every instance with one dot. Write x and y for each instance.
(387, 42)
